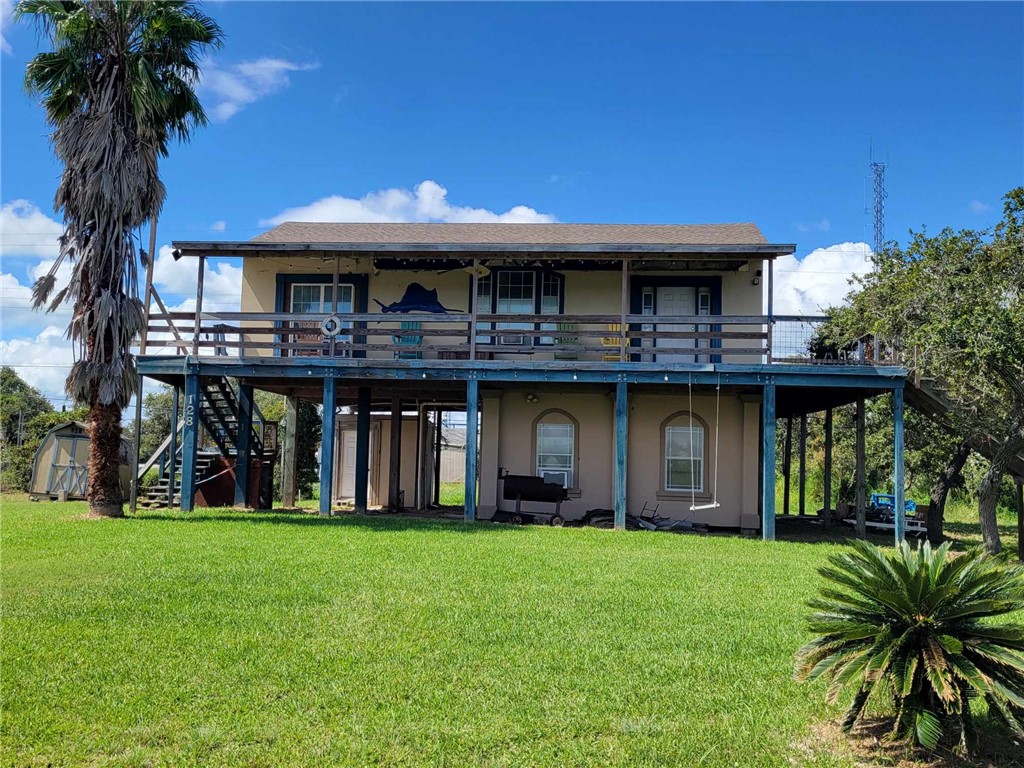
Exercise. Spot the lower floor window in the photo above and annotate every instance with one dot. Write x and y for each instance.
(555, 446)
(684, 458)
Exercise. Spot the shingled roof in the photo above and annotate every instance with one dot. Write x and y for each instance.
(514, 234)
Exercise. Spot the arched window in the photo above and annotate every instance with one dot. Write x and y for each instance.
(555, 447)
(683, 453)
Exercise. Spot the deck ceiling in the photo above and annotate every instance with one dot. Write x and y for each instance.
(790, 401)
(800, 401)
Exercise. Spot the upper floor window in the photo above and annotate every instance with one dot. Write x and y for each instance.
(555, 448)
(684, 448)
(316, 298)
(520, 292)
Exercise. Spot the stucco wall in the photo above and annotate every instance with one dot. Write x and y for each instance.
(513, 448)
(647, 414)
(585, 292)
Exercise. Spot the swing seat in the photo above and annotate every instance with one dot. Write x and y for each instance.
(712, 505)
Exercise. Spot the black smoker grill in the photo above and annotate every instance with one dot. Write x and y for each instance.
(520, 488)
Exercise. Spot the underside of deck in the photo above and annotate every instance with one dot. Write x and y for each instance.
(775, 390)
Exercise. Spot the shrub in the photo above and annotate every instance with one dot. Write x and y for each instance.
(914, 631)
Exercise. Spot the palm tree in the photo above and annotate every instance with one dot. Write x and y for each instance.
(117, 87)
(916, 632)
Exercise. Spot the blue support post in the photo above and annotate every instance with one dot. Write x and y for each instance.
(190, 442)
(244, 445)
(621, 439)
(900, 513)
(327, 424)
(362, 479)
(768, 461)
(172, 457)
(472, 417)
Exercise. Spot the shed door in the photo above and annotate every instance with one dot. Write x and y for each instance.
(348, 464)
(676, 300)
(70, 470)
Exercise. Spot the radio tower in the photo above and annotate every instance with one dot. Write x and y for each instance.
(878, 169)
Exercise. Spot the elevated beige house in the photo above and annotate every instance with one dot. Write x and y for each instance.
(635, 365)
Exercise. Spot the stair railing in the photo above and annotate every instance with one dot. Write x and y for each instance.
(158, 454)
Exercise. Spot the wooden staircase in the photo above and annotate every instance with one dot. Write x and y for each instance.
(928, 398)
(156, 495)
(218, 413)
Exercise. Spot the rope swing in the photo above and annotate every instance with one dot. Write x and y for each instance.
(694, 506)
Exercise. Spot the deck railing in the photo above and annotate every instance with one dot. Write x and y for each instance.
(426, 336)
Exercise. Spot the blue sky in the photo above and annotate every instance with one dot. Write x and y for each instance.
(681, 113)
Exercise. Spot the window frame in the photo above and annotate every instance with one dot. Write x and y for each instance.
(682, 419)
(283, 298)
(490, 296)
(564, 418)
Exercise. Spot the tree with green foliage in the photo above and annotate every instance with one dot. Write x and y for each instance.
(954, 304)
(307, 443)
(117, 88)
(157, 409)
(915, 632)
(19, 402)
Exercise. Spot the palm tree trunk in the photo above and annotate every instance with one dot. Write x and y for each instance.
(988, 493)
(104, 492)
(949, 476)
(105, 497)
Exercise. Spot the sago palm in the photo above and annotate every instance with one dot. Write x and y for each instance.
(117, 87)
(914, 632)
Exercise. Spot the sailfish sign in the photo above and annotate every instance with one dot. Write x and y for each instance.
(416, 299)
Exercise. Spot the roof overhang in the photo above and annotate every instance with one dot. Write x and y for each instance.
(427, 251)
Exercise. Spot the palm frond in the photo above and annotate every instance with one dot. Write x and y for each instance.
(919, 625)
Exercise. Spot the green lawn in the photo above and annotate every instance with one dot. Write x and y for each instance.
(225, 638)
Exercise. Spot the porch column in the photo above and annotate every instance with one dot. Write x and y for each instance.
(328, 421)
(422, 454)
(768, 461)
(362, 478)
(289, 448)
(172, 458)
(395, 457)
(900, 516)
(190, 442)
(490, 422)
(802, 479)
(244, 445)
(827, 519)
(861, 475)
(787, 464)
(134, 491)
(437, 457)
(770, 327)
(621, 437)
(472, 416)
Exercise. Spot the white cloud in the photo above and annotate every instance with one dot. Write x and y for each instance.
(819, 280)
(977, 206)
(823, 225)
(219, 226)
(222, 283)
(27, 231)
(428, 201)
(6, 6)
(237, 85)
(17, 317)
(43, 360)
